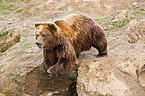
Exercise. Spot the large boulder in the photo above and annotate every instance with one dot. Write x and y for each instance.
(8, 39)
(110, 76)
(122, 72)
(136, 31)
(34, 81)
(22, 74)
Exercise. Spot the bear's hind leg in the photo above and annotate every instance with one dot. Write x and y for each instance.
(101, 46)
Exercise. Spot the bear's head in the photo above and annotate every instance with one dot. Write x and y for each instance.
(45, 34)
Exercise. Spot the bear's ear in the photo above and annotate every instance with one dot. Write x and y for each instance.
(60, 23)
(52, 27)
(41, 23)
(37, 24)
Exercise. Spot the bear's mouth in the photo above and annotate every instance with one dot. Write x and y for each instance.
(40, 46)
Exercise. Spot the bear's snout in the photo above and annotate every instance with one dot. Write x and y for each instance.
(37, 43)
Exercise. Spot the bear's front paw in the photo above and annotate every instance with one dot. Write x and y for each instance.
(55, 69)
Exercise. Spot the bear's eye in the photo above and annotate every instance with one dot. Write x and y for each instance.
(43, 35)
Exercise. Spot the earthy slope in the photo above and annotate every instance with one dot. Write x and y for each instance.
(120, 73)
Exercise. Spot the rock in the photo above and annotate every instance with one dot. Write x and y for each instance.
(136, 31)
(35, 82)
(134, 4)
(121, 73)
(8, 39)
(109, 76)
(141, 76)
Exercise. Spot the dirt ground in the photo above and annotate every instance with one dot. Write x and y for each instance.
(123, 24)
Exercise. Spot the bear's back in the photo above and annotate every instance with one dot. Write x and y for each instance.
(69, 26)
(80, 27)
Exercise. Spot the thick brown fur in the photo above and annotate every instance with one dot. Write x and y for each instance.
(62, 39)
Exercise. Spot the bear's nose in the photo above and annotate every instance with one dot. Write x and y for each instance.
(37, 43)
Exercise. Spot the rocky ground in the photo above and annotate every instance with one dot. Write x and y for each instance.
(121, 73)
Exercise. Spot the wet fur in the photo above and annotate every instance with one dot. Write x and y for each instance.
(71, 35)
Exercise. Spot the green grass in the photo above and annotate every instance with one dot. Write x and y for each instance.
(139, 84)
(32, 4)
(110, 29)
(26, 2)
(5, 12)
(26, 31)
(11, 29)
(126, 58)
(139, 12)
(142, 9)
(13, 19)
(26, 44)
(101, 19)
(12, 74)
(22, 42)
(23, 49)
(135, 8)
(95, 60)
(26, 11)
(5, 5)
(61, 9)
(107, 32)
(2, 32)
(143, 13)
(119, 23)
(127, 16)
(38, 3)
(135, 12)
(19, 10)
(2, 65)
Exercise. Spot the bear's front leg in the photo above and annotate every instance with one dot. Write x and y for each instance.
(59, 66)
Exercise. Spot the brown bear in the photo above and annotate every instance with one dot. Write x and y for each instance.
(63, 39)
